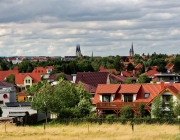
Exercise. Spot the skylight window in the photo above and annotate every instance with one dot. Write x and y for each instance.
(146, 95)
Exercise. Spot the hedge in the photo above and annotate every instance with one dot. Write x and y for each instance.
(116, 120)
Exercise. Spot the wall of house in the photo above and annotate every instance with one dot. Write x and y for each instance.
(11, 95)
(21, 98)
(40, 116)
(28, 81)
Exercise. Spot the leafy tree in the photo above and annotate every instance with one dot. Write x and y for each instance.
(25, 66)
(177, 106)
(130, 67)
(144, 79)
(157, 107)
(177, 65)
(117, 63)
(61, 76)
(128, 81)
(42, 99)
(10, 78)
(4, 65)
(35, 87)
(127, 112)
(1, 112)
(141, 110)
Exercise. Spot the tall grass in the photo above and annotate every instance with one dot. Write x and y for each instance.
(90, 132)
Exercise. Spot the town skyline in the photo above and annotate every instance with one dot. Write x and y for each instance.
(36, 28)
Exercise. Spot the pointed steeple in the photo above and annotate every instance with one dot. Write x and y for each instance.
(132, 47)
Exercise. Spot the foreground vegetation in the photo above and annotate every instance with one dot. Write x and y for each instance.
(91, 132)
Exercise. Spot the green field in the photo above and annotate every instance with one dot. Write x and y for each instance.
(90, 132)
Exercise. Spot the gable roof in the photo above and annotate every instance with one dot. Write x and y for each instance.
(19, 78)
(127, 73)
(151, 73)
(140, 89)
(92, 78)
(138, 66)
(39, 70)
(129, 88)
(4, 74)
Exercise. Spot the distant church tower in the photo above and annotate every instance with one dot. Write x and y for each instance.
(78, 50)
(131, 52)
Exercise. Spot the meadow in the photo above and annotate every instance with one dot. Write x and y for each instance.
(90, 132)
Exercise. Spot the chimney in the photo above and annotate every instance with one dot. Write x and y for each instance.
(162, 85)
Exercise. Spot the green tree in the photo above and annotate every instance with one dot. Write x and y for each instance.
(10, 78)
(141, 110)
(117, 63)
(42, 99)
(127, 112)
(130, 67)
(157, 107)
(144, 79)
(177, 106)
(128, 81)
(61, 76)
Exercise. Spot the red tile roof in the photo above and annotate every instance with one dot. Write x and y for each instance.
(4, 74)
(169, 66)
(19, 78)
(39, 70)
(129, 88)
(151, 73)
(138, 66)
(92, 78)
(127, 73)
(139, 89)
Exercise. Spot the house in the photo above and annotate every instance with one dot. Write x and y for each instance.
(151, 73)
(4, 74)
(7, 93)
(113, 97)
(102, 69)
(169, 67)
(167, 77)
(90, 80)
(25, 80)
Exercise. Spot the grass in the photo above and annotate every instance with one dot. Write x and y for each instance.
(95, 132)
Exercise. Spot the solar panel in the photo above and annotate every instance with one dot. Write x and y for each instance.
(18, 104)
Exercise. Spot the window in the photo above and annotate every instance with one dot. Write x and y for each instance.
(106, 98)
(1, 102)
(171, 78)
(128, 98)
(146, 95)
(28, 81)
(166, 98)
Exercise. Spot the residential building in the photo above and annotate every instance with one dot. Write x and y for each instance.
(167, 77)
(113, 97)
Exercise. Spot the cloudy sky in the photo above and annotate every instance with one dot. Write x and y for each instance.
(106, 27)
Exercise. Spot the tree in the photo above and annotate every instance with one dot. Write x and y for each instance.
(141, 110)
(128, 81)
(42, 99)
(177, 106)
(127, 112)
(157, 107)
(143, 79)
(61, 76)
(130, 67)
(117, 63)
(10, 78)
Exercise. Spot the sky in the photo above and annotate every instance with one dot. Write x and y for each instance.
(106, 27)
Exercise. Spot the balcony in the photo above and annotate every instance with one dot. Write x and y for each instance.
(117, 106)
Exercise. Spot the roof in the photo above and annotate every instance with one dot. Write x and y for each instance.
(169, 66)
(4, 74)
(89, 88)
(22, 94)
(102, 69)
(151, 73)
(19, 78)
(138, 66)
(129, 88)
(5, 84)
(53, 77)
(140, 89)
(127, 73)
(92, 78)
(39, 70)
(117, 78)
(18, 104)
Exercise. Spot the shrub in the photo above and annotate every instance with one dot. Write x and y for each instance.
(127, 112)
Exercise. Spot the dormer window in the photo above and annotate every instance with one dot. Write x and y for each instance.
(146, 95)
(106, 98)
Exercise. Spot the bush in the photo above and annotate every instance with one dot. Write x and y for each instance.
(110, 116)
(127, 112)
